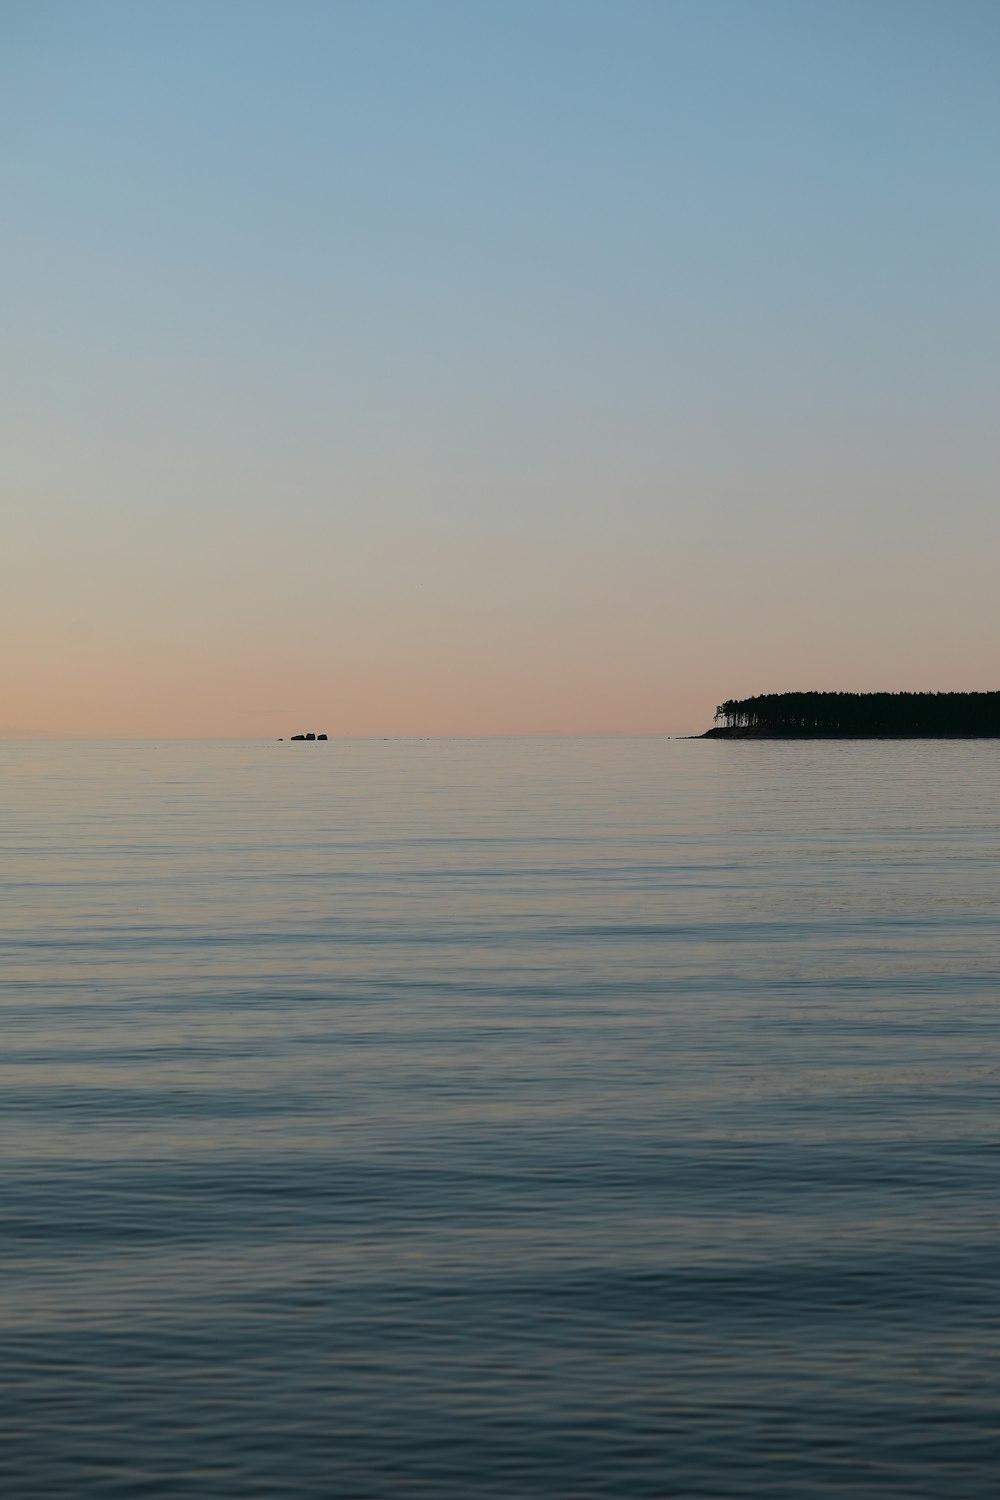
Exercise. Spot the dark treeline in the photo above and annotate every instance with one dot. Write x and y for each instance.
(861, 714)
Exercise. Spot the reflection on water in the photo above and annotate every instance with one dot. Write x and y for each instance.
(459, 1119)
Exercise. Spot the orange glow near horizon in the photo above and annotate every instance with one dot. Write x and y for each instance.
(498, 640)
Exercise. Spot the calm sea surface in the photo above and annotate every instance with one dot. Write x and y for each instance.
(501, 1118)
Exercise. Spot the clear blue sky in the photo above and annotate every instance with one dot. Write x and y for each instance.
(495, 367)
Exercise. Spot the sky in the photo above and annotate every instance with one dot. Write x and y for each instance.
(429, 367)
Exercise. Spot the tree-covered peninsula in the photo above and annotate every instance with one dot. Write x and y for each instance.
(787, 716)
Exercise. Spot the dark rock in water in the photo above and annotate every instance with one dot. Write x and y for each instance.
(322, 736)
(310, 736)
(297, 736)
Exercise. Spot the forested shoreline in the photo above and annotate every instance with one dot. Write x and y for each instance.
(858, 716)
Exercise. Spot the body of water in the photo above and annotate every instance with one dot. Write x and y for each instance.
(500, 1119)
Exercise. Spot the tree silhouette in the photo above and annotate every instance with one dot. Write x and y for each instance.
(864, 715)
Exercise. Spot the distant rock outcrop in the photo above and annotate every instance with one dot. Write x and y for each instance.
(308, 736)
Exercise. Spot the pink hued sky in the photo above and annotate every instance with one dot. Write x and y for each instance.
(509, 370)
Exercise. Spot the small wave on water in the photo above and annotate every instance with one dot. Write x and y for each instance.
(471, 1119)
